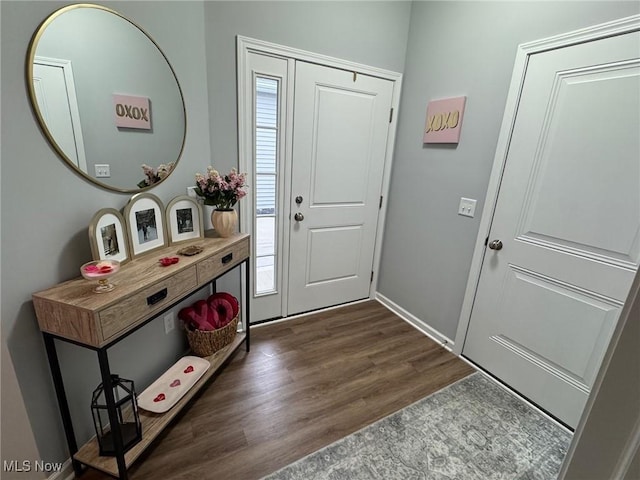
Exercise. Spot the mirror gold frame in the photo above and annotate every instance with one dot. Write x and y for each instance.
(174, 99)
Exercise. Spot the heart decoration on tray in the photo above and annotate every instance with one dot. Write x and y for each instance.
(167, 390)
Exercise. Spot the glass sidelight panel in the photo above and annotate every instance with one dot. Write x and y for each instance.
(266, 179)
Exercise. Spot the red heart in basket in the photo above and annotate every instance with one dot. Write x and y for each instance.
(175, 383)
(223, 308)
(229, 298)
(189, 369)
(197, 316)
(159, 398)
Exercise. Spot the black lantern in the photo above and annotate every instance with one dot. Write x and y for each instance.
(126, 406)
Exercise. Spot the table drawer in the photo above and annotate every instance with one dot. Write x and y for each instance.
(223, 260)
(141, 305)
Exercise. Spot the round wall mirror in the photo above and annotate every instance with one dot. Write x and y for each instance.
(106, 97)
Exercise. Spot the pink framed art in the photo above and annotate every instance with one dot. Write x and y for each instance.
(444, 120)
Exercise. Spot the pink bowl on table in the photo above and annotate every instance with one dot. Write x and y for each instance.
(100, 270)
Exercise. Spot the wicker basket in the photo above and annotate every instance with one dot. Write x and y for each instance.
(205, 343)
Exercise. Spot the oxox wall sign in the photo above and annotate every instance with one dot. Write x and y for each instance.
(132, 112)
(444, 120)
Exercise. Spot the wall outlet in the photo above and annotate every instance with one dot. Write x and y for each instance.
(169, 323)
(103, 170)
(467, 207)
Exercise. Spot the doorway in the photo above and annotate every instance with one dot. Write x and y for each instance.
(316, 137)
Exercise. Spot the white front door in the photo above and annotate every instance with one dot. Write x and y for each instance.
(311, 130)
(341, 124)
(568, 222)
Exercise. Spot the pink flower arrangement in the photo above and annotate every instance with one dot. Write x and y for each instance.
(155, 175)
(221, 191)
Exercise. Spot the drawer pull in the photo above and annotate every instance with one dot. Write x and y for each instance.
(227, 258)
(156, 297)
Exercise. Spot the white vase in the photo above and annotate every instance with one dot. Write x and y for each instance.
(224, 222)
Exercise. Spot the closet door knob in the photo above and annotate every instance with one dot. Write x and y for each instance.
(298, 217)
(495, 245)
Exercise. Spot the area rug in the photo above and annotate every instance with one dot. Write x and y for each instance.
(470, 430)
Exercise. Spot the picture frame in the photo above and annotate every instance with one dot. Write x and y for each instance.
(184, 219)
(108, 236)
(144, 216)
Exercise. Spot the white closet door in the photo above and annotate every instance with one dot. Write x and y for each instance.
(568, 222)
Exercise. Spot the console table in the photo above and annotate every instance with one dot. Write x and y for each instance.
(145, 289)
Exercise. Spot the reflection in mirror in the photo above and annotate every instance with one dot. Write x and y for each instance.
(105, 95)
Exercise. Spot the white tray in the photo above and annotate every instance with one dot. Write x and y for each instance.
(165, 392)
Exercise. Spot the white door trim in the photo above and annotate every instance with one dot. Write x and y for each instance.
(67, 71)
(246, 45)
(616, 27)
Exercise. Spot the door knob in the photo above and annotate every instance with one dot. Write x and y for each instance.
(495, 245)
(298, 217)
(299, 199)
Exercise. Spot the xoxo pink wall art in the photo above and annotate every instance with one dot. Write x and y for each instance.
(444, 120)
(131, 112)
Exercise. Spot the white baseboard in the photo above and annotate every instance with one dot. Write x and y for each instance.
(65, 473)
(415, 322)
(306, 314)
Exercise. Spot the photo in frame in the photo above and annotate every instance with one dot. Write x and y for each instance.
(144, 217)
(108, 236)
(184, 219)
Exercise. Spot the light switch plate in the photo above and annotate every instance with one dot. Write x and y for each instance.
(467, 207)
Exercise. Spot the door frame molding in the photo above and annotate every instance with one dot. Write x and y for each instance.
(245, 45)
(67, 72)
(524, 51)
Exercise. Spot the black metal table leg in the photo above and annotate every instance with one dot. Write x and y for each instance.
(58, 383)
(247, 303)
(114, 423)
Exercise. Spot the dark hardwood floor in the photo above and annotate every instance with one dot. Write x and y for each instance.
(305, 384)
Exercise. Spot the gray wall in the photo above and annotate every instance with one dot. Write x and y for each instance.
(46, 209)
(22, 446)
(457, 48)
